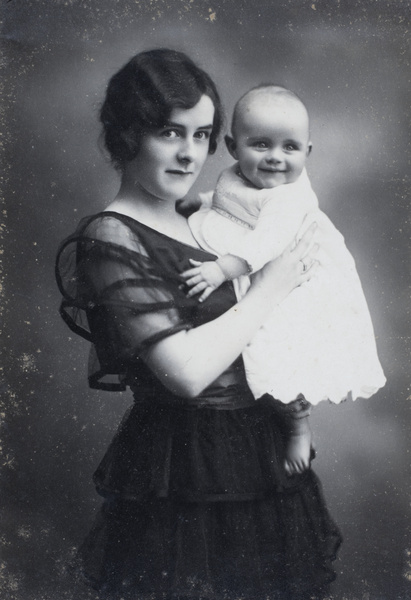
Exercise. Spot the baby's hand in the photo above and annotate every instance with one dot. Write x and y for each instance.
(204, 277)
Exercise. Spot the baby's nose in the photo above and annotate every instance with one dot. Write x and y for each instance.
(275, 155)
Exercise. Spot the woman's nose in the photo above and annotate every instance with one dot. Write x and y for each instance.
(186, 153)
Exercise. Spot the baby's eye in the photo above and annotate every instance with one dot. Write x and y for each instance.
(260, 145)
(291, 147)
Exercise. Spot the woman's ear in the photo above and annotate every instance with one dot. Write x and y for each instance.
(231, 146)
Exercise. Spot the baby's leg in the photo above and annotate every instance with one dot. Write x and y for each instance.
(294, 418)
(298, 444)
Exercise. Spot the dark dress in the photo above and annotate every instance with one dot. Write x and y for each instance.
(197, 504)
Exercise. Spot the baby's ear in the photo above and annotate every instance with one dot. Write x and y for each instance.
(309, 148)
(231, 146)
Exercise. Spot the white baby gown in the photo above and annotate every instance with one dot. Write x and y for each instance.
(319, 342)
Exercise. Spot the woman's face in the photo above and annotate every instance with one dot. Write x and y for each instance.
(170, 159)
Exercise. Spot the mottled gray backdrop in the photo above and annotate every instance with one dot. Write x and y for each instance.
(350, 62)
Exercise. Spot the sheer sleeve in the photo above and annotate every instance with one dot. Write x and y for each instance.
(120, 294)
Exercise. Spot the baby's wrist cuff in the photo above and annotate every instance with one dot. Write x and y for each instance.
(221, 268)
(234, 271)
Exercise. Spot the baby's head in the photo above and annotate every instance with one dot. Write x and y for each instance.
(270, 136)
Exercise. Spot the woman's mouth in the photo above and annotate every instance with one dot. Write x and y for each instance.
(179, 172)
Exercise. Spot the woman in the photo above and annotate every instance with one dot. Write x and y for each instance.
(197, 504)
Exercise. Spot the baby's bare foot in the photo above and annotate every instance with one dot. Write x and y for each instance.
(298, 445)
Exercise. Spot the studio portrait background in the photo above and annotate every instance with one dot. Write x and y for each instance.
(350, 63)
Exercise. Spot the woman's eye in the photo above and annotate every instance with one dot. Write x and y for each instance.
(169, 133)
(202, 135)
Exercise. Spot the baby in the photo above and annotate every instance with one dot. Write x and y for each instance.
(318, 344)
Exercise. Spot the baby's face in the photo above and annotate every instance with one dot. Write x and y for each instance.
(271, 141)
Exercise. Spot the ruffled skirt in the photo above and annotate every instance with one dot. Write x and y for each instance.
(198, 507)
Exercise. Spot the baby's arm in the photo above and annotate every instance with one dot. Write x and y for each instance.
(207, 276)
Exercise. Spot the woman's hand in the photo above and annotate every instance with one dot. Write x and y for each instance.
(292, 268)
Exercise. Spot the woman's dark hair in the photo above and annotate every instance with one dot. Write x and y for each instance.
(142, 95)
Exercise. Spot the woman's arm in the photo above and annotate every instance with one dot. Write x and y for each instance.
(189, 361)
